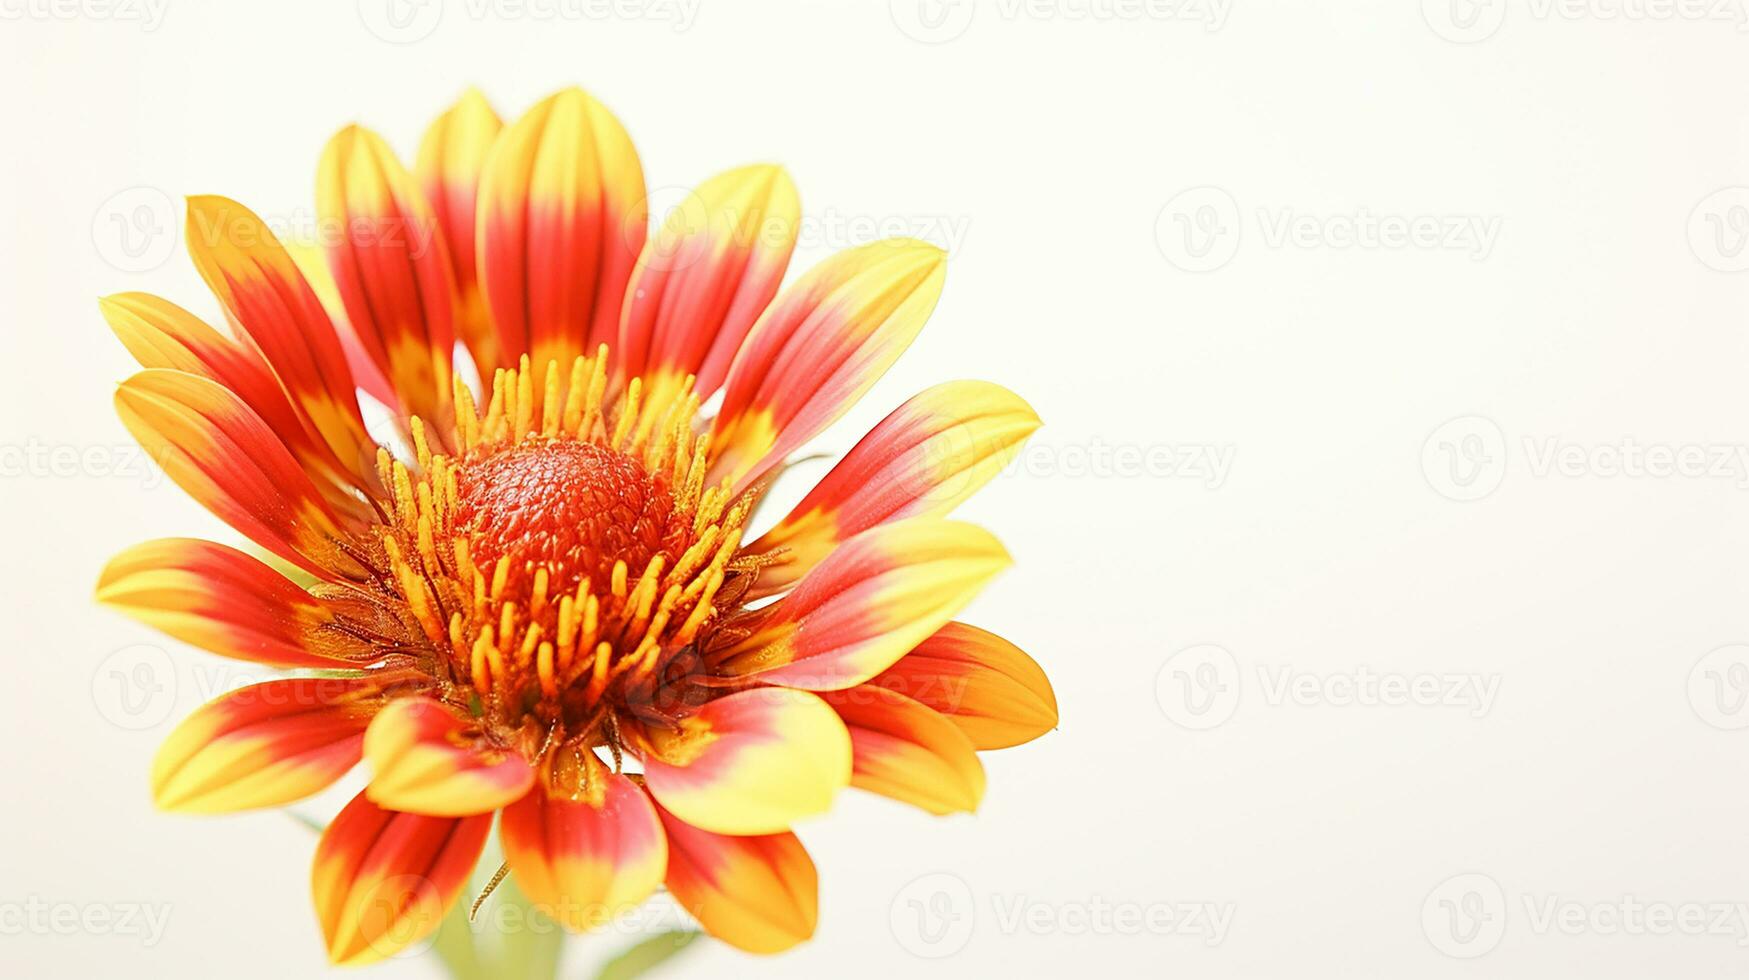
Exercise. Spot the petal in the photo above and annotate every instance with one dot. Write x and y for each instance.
(312, 261)
(759, 894)
(224, 456)
(425, 759)
(226, 602)
(825, 342)
(587, 860)
(266, 297)
(873, 599)
(752, 762)
(909, 753)
(706, 276)
(923, 460)
(265, 745)
(160, 334)
(390, 267)
(997, 695)
(383, 880)
(562, 217)
(451, 157)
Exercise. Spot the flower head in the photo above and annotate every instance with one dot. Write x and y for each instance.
(542, 598)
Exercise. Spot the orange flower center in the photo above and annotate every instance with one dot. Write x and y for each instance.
(565, 563)
(573, 508)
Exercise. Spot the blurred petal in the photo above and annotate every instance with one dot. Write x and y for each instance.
(923, 460)
(753, 762)
(224, 456)
(383, 880)
(425, 759)
(708, 273)
(909, 753)
(996, 694)
(390, 267)
(825, 342)
(561, 220)
(867, 604)
(451, 158)
(226, 602)
(759, 894)
(586, 860)
(267, 298)
(265, 745)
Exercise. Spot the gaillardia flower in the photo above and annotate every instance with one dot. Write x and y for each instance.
(543, 599)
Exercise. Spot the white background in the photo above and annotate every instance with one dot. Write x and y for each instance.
(1049, 146)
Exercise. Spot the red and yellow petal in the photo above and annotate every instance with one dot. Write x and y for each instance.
(586, 860)
(383, 880)
(160, 334)
(707, 275)
(218, 450)
(909, 753)
(267, 298)
(752, 762)
(825, 341)
(985, 685)
(759, 893)
(923, 460)
(391, 267)
(452, 156)
(225, 602)
(867, 604)
(265, 745)
(562, 217)
(426, 759)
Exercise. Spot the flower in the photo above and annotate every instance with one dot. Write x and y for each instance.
(543, 600)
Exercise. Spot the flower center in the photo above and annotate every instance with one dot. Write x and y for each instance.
(564, 562)
(573, 508)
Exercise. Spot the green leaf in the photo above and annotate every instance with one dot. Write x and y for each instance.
(647, 955)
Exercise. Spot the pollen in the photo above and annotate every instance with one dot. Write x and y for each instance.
(561, 554)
